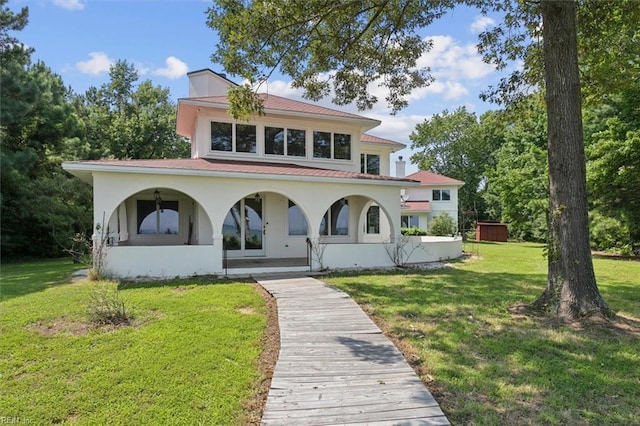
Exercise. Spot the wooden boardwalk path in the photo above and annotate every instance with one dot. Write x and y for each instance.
(336, 367)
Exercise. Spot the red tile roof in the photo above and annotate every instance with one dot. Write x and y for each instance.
(415, 206)
(430, 178)
(234, 166)
(375, 139)
(278, 103)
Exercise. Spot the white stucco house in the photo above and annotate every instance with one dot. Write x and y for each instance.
(302, 187)
(436, 194)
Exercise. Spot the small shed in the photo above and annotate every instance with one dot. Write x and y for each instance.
(491, 231)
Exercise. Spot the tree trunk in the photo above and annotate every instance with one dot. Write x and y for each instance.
(571, 285)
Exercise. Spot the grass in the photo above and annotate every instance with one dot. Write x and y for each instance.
(190, 356)
(487, 364)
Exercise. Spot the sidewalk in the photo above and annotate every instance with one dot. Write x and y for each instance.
(336, 366)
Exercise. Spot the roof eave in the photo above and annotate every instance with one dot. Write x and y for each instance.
(365, 123)
(84, 169)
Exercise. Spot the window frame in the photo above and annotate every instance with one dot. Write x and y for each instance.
(306, 232)
(364, 163)
(409, 221)
(158, 211)
(328, 219)
(234, 138)
(367, 223)
(440, 193)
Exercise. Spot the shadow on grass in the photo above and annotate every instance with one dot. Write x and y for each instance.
(493, 367)
(203, 280)
(22, 278)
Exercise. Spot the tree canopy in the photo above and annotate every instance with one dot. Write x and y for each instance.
(42, 123)
(345, 46)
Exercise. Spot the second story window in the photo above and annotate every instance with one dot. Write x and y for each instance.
(441, 195)
(331, 145)
(245, 138)
(223, 138)
(321, 144)
(370, 164)
(281, 141)
(341, 146)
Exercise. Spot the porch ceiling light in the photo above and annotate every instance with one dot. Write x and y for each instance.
(156, 196)
(257, 197)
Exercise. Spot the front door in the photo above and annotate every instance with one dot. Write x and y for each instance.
(243, 228)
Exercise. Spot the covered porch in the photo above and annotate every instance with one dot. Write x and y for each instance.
(166, 222)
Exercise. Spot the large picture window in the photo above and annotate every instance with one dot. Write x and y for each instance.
(158, 217)
(441, 194)
(336, 220)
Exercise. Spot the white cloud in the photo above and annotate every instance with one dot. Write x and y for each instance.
(481, 23)
(98, 64)
(452, 61)
(69, 4)
(174, 69)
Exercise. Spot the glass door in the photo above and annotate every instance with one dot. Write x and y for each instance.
(243, 228)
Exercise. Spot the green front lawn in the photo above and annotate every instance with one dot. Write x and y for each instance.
(489, 364)
(190, 356)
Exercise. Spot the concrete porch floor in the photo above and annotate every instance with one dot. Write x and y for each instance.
(264, 262)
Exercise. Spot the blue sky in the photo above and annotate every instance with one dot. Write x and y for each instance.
(164, 39)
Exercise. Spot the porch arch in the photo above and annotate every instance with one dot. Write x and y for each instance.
(359, 204)
(184, 221)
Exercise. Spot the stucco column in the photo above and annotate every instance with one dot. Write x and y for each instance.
(217, 260)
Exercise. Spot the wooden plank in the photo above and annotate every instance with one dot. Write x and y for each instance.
(336, 367)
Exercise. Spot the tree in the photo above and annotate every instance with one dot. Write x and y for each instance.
(41, 207)
(125, 120)
(460, 146)
(356, 43)
(571, 284)
(517, 185)
(613, 170)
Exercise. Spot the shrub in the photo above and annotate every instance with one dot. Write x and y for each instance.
(442, 225)
(106, 307)
(609, 234)
(413, 231)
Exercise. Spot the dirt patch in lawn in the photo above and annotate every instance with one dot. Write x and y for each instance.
(60, 326)
(267, 361)
(246, 311)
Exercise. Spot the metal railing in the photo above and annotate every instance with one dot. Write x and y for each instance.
(225, 260)
(309, 252)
